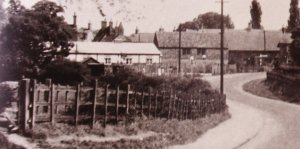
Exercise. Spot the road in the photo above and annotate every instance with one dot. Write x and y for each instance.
(256, 123)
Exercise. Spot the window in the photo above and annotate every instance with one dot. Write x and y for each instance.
(149, 60)
(186, 51)
(128, 61)
(107, 61)
(201, 51)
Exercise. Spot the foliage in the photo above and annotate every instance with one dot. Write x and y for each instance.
(294, 15)
(210, 20)
(2, 15)
(66, 72)
(140, 82)
(295, 51)
(256, 13)
(6, 95)
(33, 38)
(15, 7)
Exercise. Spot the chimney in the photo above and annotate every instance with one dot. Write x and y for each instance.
(136, 30)
(111, 24)
(103, 24)
(74, 19)
(283, 30)
(161, 29)
(121, 29)
(89, 26)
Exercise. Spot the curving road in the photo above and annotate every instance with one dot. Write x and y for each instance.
(256, 123)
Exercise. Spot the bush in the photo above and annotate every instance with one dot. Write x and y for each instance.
(295, 51)
(66, 72)
(6, 96)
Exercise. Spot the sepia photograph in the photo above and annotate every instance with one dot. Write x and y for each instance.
(149, 74)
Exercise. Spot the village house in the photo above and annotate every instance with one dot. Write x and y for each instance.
(199, 50)
(140, 56)
(245, 50)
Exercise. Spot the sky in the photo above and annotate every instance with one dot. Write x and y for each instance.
(150, 15)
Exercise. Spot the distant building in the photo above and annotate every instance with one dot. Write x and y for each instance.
(115, 53)
(248, 48)
(109, 33)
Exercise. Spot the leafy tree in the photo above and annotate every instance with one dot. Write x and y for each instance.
(256, 13)
(32, 39)
(15, 7)
(210, 20)
(294, 15)
(295, 46)
(2, 15)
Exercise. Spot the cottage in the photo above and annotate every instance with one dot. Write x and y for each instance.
(246, 49)
(199, 50)
(116, 53)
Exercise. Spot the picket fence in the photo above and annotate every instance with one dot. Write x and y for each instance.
(104, 104)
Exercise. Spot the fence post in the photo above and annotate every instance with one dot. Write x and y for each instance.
(170, 104)
(142, 102)
(127, 99)
(52, 104)
(135, 96)
(117, 103)
(33, 100)
(77, 104)
(105, 105)
(155, 108)
(149, 102)
(24, 102)
(94, 102)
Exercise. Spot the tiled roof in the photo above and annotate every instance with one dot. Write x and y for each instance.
(114, 48)
(142, 37)
(188, 40)
(235, 40)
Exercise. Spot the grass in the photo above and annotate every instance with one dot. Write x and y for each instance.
(165, 132)
(260, 88)
(271, 90)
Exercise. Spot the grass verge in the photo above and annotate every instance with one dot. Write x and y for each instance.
(263, 88)
(166, 133)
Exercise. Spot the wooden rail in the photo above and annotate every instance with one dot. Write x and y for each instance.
(84, 104)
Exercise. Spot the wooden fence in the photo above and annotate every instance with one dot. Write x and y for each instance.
(87, 105)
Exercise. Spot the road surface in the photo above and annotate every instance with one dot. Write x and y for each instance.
(256, 123)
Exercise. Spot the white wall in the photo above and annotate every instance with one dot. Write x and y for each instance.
(116, 58)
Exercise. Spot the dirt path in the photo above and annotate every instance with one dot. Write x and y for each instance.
(277, 123)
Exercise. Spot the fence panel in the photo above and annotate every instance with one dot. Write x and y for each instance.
(83, 104)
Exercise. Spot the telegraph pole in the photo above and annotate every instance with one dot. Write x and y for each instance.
(222, 50)
(179, 52)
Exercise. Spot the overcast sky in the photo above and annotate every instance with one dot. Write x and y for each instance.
(149, 15)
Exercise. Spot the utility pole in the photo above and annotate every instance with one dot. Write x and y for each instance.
(222, 50)
(179, 52)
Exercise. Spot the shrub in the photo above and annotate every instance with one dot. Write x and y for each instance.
(295, 51)
(6, 95)
(66, 72)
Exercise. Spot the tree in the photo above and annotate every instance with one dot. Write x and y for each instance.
(15, 7)
(210, 20)
(295, 46)
(2, 14)
(256, 13)
(293, 21)
(32, 39)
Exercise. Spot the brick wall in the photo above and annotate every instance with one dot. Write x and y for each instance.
(170, 59)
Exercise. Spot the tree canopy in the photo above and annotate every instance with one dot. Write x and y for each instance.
(210, 20)
(293, 21)
(256, 13)
(33, 38)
